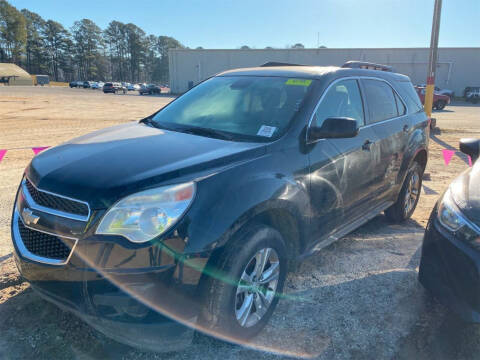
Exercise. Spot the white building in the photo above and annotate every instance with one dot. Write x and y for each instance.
(457, 67)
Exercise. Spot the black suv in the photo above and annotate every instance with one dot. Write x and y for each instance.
(192, 215)
(150, 89)
(114, 88)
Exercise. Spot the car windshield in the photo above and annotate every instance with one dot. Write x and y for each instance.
(255, 108)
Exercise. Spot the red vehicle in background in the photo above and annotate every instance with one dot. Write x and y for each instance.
(439, 100)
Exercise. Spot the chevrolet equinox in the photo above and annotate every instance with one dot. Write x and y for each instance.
(191, 218)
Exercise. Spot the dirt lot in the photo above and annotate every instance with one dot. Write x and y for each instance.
(358, 298)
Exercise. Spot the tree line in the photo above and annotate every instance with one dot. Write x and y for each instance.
(121, 52)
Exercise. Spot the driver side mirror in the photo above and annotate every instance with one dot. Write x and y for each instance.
(337, 127)
(470, 147)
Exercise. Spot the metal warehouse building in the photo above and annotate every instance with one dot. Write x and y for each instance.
(457, 67)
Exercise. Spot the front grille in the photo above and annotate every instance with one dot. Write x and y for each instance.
(56, 202)
(43, 245)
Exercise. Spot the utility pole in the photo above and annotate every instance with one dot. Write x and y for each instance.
(432, 64)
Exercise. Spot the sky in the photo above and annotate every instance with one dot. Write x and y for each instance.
(229, 24)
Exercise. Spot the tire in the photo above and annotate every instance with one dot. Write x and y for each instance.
(400, 210)
(440, 104)
(224, 300)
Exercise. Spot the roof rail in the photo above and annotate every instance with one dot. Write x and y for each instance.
(367, 65)
(274, 63)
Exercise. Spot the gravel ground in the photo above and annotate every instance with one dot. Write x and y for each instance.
(359, 298)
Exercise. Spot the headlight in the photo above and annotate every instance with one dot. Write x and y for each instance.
(452, 218)
(145, 215)
(448, 213)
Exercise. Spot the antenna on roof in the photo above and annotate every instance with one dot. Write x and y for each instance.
(367, 65)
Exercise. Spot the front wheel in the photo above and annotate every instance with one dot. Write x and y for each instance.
(244, 288)
(408, 198)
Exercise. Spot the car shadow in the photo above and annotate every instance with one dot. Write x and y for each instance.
(341, 303)
(441, 142)
(447, 146)
(443, 111)
(329, 318)
(462, 104)
(5, 257)
(440, 335)
(34, 328)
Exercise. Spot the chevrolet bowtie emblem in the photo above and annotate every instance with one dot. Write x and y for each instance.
(28, 217)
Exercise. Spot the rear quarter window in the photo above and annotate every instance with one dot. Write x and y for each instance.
(410, 96)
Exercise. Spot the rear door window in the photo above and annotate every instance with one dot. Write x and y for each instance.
(342, 99)
(381, 100)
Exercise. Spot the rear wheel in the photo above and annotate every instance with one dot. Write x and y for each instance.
(242, 296)
(408, 198)
(440, 104)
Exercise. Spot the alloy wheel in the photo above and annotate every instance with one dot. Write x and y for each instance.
(257, 287)
(413, 192)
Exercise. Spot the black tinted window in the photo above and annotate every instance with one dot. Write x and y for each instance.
(381, 101)
(341, 100)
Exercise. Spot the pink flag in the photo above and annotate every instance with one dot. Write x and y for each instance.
(469, 161)
(2, 153)
(36, 150)
(447, 155)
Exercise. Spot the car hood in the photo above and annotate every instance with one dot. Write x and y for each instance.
(466, 193)
(107, 164)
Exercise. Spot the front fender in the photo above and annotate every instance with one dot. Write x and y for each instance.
(228, 200)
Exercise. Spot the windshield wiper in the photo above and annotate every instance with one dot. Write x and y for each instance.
(195, 130)
(149, 121)
(207, 132)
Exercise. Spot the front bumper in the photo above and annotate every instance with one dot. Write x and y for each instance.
(450, 270)
(143, 295)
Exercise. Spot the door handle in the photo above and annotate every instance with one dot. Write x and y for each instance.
(405, 128)
(366, 145)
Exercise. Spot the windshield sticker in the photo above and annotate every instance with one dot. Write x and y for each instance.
(266, 131)
(298, 82)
